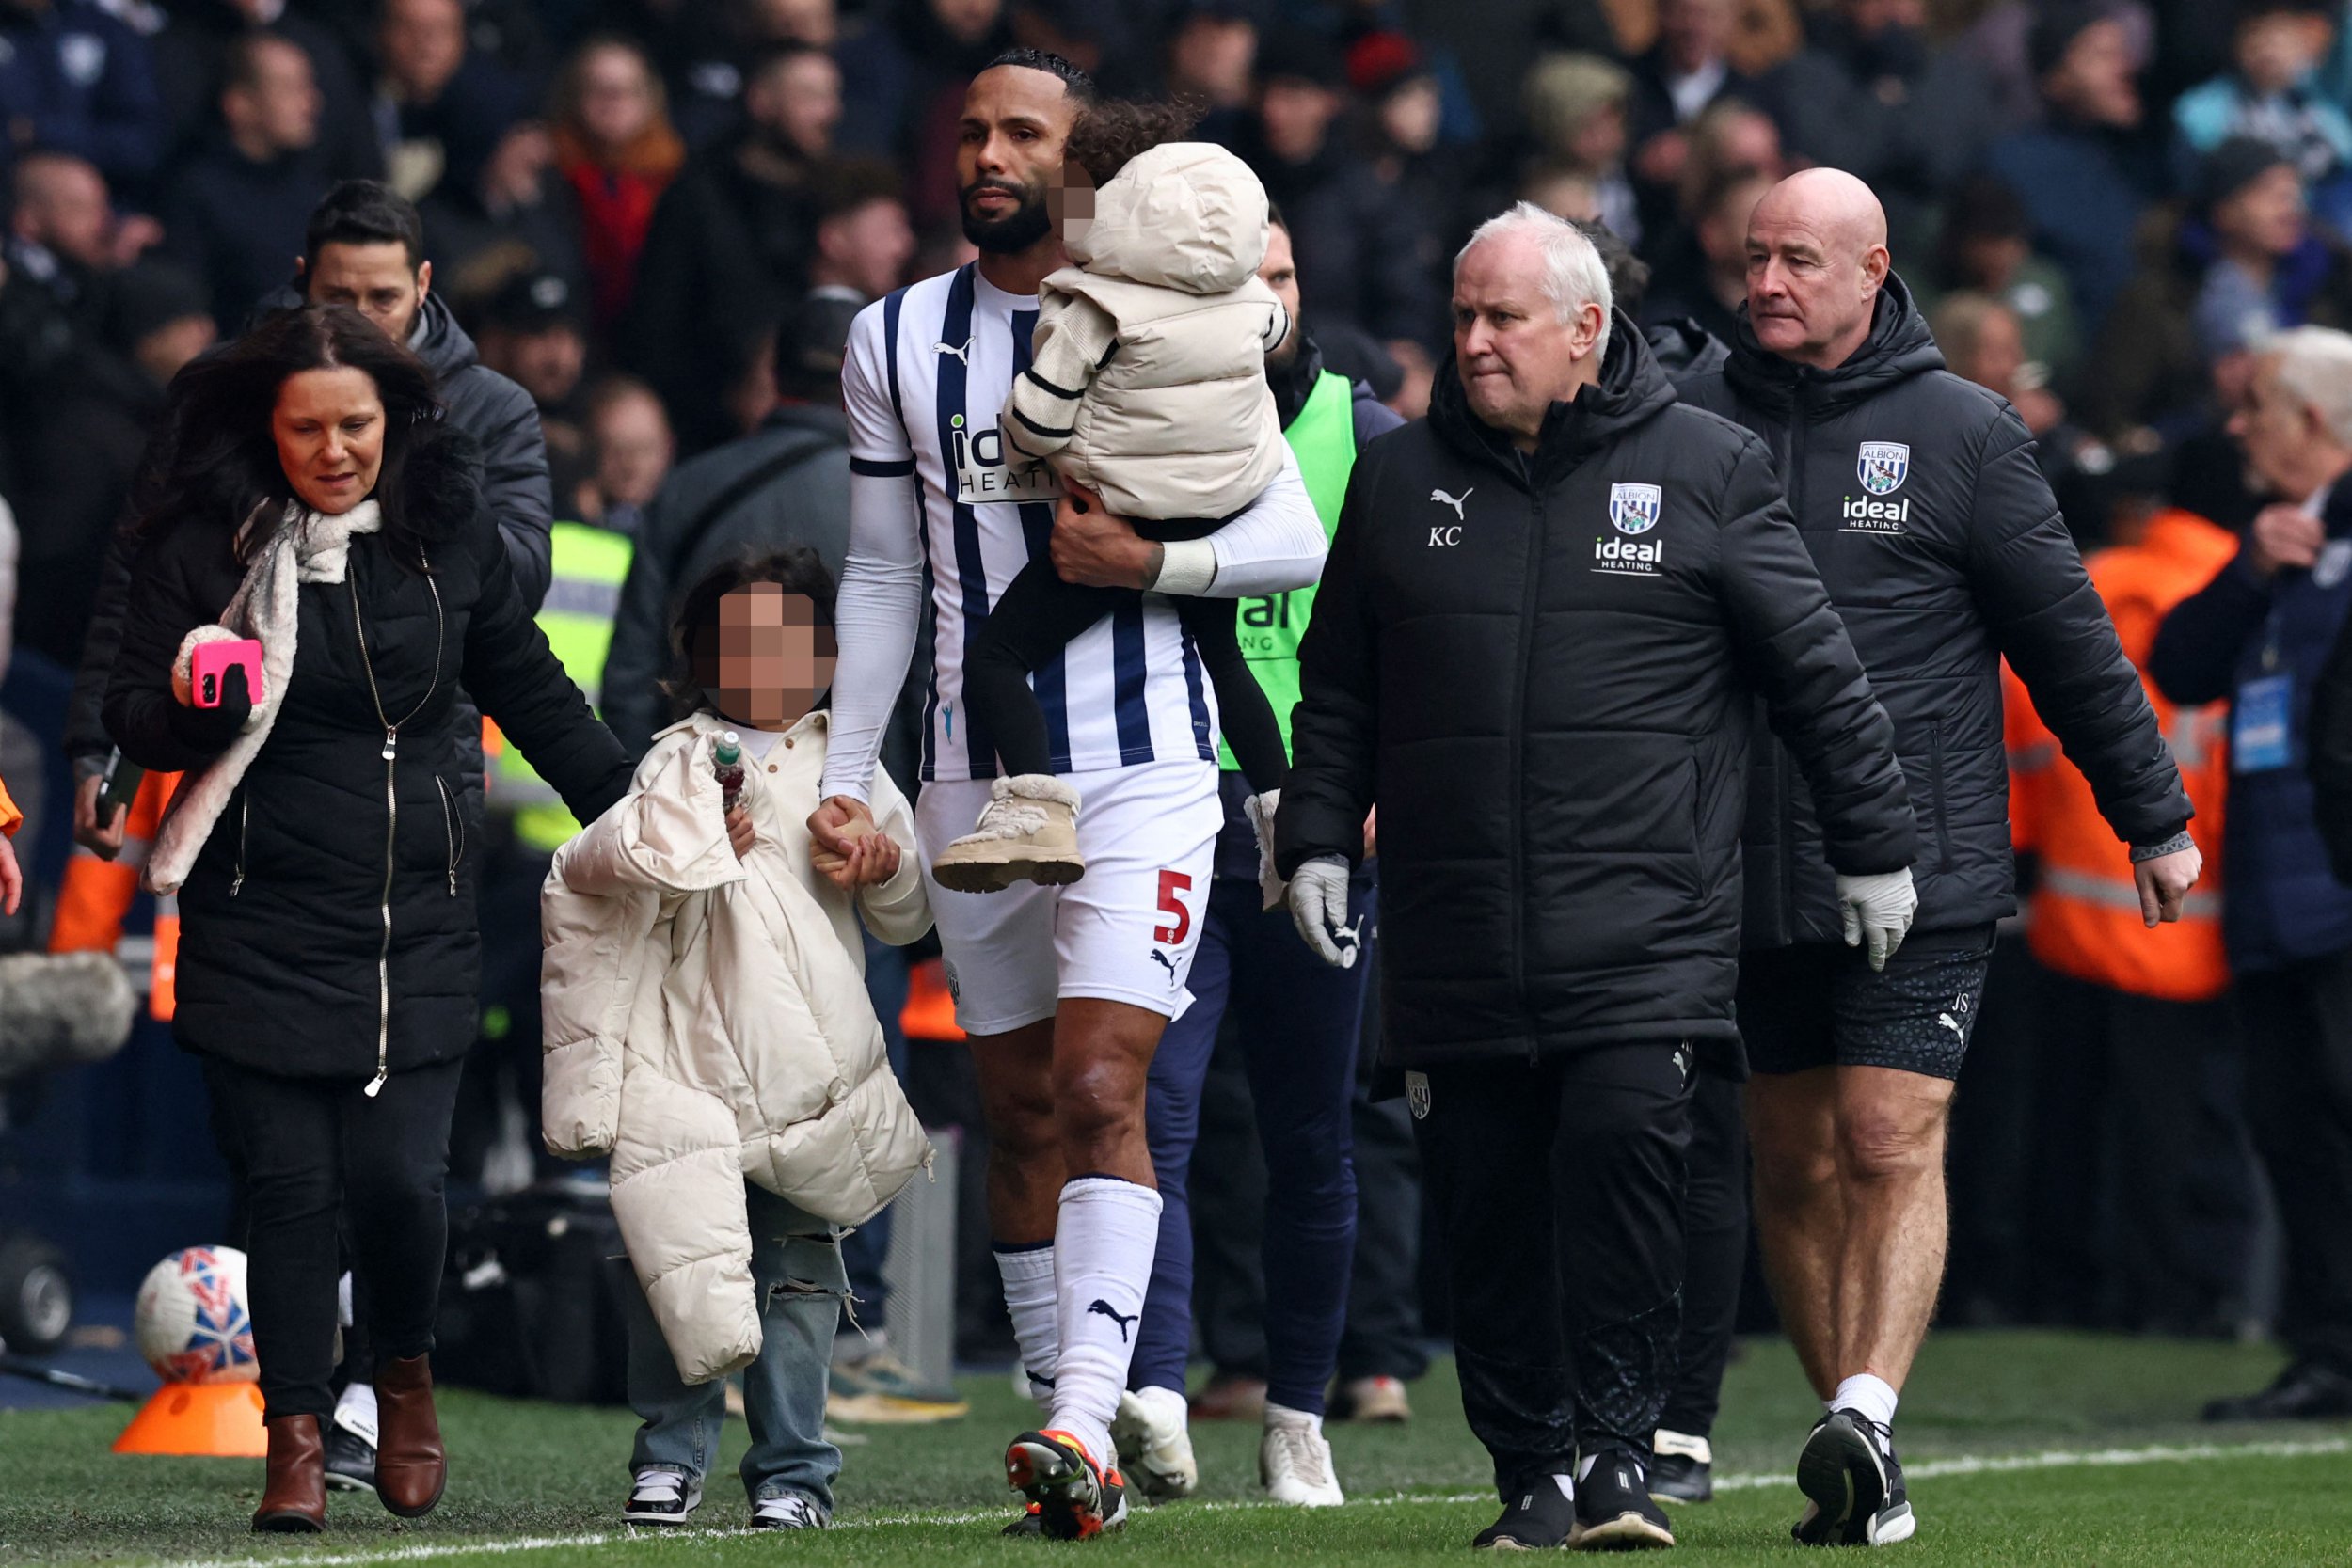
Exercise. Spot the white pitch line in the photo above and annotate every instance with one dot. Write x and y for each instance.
(1971, 1464)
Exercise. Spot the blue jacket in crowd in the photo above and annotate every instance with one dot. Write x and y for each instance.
(82, 81)
(2231, 638)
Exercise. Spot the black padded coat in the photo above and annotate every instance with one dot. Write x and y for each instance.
(1542, 669)
(283, 918)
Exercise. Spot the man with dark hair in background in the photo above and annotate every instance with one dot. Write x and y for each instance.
(238, 207)
(729, 249)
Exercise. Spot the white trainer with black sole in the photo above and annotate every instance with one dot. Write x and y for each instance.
(1294, 1460)
(787, 1511)
(1153, 1433)
(662, 1497)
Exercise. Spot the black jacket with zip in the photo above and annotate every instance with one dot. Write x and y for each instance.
(283, 917)
(1542, 670)
(1942, 546)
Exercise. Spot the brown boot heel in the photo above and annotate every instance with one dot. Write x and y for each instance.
(410, 1467)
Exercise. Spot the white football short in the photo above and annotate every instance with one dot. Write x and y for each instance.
(1126, 931)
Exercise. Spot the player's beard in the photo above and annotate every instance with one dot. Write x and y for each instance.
(1006, 236)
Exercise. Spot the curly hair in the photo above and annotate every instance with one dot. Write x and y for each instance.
(1108, 134)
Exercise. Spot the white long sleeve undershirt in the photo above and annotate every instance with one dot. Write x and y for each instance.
(1276, 542)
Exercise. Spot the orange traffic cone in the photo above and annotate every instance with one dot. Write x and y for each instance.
(222, 1419)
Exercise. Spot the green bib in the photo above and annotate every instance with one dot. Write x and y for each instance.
(589, 564)
(1323, 438)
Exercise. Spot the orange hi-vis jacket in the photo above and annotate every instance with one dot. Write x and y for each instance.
(2083, 918)
(97, 894)
(11, 818)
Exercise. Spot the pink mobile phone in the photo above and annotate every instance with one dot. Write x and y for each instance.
(211, 662)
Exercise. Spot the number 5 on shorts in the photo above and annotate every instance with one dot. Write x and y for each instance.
(1172, 884)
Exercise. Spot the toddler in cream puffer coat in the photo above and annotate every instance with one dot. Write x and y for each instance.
(707, 1026)
(1146, 390)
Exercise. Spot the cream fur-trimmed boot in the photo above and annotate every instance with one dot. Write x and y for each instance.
(1028, 832)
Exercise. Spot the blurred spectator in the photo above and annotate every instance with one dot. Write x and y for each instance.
(864, 240)
(2259, 635)
(1211, 59)
(440, 111)
(1576, 113)
(518, 216)
(703, 47)
(1730, 138)
(1675, 81)
(730, 244)
(630, 436)
(614, 144)
(905, 76)
(2269, 97)
(1563, 193)
(1987, 245)
(1707, 280)
(90, 427)
(534, 332)
(2144, 1211)
(2083, 178)
(1874, 97)
(1367, 254)
(2245, 263)
(787, 482)
(1983, 343)
(235, 212)
(192, 54)
(75, 77)
(62, 243)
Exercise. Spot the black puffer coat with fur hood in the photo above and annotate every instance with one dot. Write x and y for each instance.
(284, 915)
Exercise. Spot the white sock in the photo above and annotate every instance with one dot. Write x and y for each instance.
(1029, 1277)
(1102, 1247)
(355, 1411)
(1283, 1416)
(1873, 1397)
(1567, 1487)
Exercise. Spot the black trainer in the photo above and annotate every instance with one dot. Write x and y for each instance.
(1614, 1512)
(350, 1460)
(1540, 1519)
(1682, 1469)
(2306, 1391)
(1853, 1485)
(1030, 1526)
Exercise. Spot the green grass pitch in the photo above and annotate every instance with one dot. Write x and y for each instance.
(2070, 1452)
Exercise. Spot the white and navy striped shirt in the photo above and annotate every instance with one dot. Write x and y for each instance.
(926, 378)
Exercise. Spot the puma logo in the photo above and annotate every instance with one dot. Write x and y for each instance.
(1948, 1022)
(1453, 501)
(959, 353)
(1165, 962)
(1105, 1309)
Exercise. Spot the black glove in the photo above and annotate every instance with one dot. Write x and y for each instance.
(211, 729)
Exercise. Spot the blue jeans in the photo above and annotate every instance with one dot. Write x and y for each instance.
(796, 1267)
(1299, 1019)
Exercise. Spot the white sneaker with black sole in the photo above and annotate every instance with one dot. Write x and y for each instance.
(1294, 1460)
(787, 1511)
(661, 1496)
(1853, 1485)
(1153, 1433)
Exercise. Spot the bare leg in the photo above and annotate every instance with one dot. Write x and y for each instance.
(1799, 1210)
(1890, 1165)
(1102, 1051)
(1016, 1073)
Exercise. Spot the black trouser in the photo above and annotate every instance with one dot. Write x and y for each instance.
(316, 1149)
(1715, 1243)
(2298, 1104)
(1384, 1336)
(1558, 1186)
(1228, 1195)
(2143, 1199)
(1038, 616)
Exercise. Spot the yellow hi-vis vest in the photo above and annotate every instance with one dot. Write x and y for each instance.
(584, 596)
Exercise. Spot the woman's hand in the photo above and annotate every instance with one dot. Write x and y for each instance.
(211, 729)
(11, 879)
(740, 833)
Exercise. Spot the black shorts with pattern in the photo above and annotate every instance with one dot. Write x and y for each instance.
(1818, 1005)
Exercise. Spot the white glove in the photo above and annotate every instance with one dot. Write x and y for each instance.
(1318, 901)
(1879, 906)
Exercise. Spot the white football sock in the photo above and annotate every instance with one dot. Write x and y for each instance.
(1103, 1247)
(1029, 1277)
(355, 1411)
(1873, 1397)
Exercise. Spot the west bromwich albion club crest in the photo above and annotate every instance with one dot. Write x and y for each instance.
(1884, 466)
(1634, 508)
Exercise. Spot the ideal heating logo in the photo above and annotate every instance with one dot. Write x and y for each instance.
(986, 469)
(1882, 467)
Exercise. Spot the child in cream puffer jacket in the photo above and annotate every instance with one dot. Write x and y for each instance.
(1146, 390)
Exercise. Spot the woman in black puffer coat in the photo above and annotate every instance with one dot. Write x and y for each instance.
(329, 948)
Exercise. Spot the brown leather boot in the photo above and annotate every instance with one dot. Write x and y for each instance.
(410, 1469)
(295, 1497)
